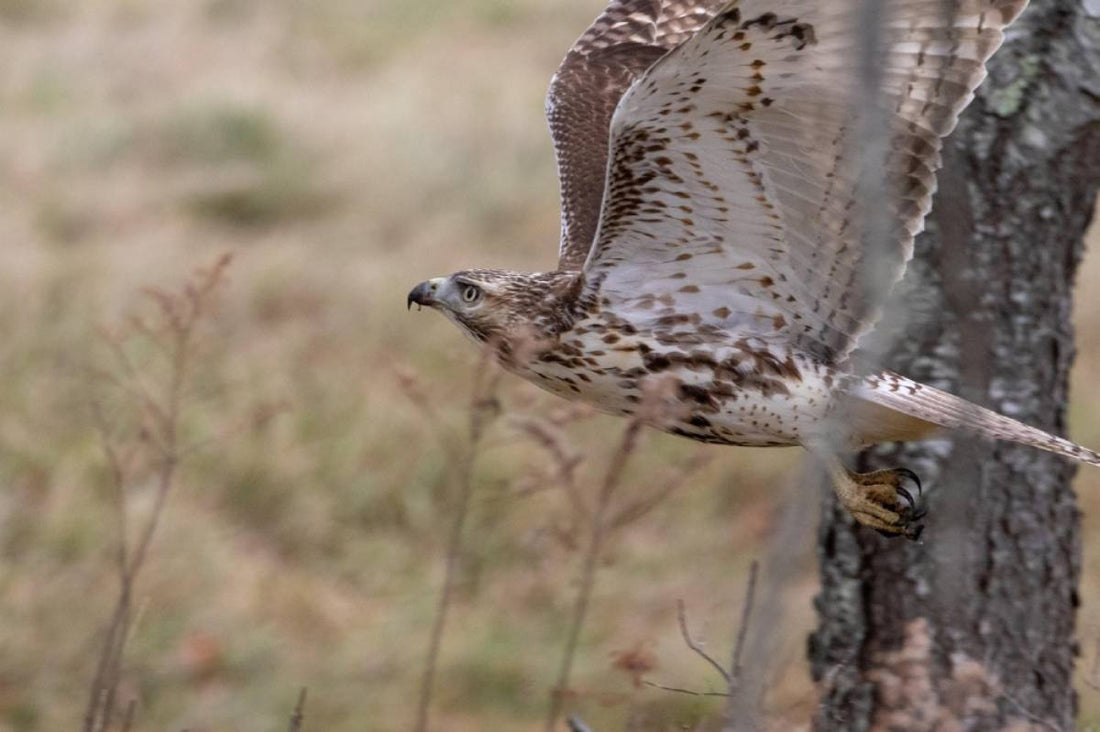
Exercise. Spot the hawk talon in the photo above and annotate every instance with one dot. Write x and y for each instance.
(911, 476)
(914, 503)
(912, 533)
(880, 501)
(906, 495)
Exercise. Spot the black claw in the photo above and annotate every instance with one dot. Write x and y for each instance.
(910, 527)
(909, 522)
(911, 476)
(906, 495)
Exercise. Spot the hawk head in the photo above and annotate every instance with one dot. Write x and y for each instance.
(495, 305)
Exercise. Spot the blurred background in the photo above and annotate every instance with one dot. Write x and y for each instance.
(342, 151)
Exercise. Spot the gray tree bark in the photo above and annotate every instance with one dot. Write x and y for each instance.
(973, 627)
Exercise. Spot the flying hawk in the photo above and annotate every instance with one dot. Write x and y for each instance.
(712, 231)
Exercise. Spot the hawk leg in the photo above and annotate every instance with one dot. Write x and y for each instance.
(880, 500)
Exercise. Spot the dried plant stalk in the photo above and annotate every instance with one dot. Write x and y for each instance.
(172, 332)
(732, 676)
(299, 713)
(598, 528)
(483, 408)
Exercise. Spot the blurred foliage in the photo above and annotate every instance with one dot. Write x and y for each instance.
(343, 150)
(220, 132)
(280, 194)
(25, 12)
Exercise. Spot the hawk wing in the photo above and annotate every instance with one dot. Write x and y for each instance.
(731, 201)
(616, 49)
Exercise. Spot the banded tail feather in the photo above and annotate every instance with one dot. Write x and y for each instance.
(930, 408)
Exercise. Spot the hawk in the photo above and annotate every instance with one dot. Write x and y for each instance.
(713, 234)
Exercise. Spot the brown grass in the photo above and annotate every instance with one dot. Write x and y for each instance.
(342, 151)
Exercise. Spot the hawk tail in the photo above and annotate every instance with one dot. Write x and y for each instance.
(892, 407)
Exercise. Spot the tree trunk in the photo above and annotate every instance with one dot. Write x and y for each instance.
(973, 627)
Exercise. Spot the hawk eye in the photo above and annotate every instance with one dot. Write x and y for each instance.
(470, 294)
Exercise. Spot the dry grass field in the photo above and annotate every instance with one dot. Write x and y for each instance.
(342, 150)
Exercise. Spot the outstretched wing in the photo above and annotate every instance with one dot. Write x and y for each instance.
(733, 201)
(616, 49)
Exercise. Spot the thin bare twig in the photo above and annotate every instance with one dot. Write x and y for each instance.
(576, 724)
(260, 417)
(744, 699)
(411, 388)
(299, 712)
(681, 618)
(118, 468)
(131, 379)
(639, 508)
(566, 460)
(734, 677)
(483, 407)
(597, 532)
(678, 690)
(657, 405)
(128, 718)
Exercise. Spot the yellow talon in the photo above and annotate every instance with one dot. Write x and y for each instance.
(879, 499)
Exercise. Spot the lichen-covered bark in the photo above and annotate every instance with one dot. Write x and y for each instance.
(974, 625)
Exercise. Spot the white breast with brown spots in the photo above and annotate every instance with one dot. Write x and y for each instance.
(733, 391)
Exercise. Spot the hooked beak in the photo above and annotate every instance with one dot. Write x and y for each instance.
(424, 293)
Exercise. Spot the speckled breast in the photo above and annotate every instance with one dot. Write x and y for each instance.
(738, 392)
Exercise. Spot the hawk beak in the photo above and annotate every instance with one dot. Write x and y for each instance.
(423, 294)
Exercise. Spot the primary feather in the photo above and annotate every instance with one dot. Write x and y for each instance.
(735, 162)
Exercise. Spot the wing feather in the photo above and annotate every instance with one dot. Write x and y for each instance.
(624, 41)
(733, 190)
